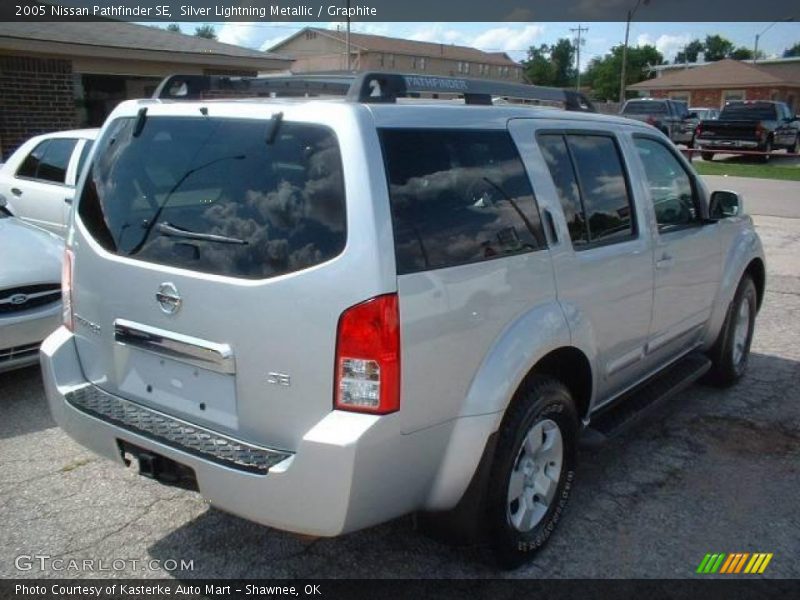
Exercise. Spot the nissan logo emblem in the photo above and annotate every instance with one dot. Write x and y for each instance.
(168, 298)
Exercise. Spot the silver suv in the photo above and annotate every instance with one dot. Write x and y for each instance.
(327, 313)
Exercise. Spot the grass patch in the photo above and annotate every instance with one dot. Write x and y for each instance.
(743, 170)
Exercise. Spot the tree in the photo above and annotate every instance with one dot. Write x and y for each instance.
(174, 28)
(206, 31)
(603, 73)
(562, 55)
(717, 48)
(552, 65)
(743, 53)
(689, 53)
(792, 52)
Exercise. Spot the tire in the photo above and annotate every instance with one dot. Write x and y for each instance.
(709, 156)
(731, 352)
(768, 149)
(795, 148)
(528, 460)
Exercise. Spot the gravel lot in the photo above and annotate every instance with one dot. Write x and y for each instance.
(712, 471)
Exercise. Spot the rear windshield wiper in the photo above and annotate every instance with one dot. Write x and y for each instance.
(172, 231)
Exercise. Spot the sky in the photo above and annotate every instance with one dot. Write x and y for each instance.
(516, 38)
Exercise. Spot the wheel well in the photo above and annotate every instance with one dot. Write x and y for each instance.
(756, 271)
(570, 366)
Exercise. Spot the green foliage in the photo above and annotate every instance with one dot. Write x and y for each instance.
(717, 48)
(603, 73)
(206, 31)
(690, 52)
(552, 65)
(174, 28)
(792, 52)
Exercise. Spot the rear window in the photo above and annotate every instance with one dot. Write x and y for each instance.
(749, 112)
(457, 197)
(213, 195)
(644, 108)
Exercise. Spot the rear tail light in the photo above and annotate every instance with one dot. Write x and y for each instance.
(368, 357)
(66, 289)
(760, 129)
(698, 130)
(652, 120)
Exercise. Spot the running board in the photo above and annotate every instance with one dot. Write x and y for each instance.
(630, 407)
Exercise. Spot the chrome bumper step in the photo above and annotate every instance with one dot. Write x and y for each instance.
(173, 432)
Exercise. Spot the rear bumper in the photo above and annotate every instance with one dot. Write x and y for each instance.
(20, 336)
(349, 471)
(725, 144)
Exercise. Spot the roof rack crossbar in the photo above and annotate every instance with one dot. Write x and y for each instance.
(370, 87)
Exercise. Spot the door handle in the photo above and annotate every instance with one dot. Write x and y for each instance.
(68, 201)
(664, 262)
(551, 226)
(16, 191)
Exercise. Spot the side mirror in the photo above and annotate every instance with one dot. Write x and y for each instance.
(692, 115)
(3, 201)
(724, 204)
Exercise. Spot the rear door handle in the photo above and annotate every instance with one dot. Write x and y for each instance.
(664, 262)
(68, 200)
(16, 191)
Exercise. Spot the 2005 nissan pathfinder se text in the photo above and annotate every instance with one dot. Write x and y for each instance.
(324, 313)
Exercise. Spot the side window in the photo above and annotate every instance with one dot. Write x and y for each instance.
(556, 155)
(670, 185)
(588, 174)
(53, 166)
(457, 197)
(604, 190)
(87, 147)
(30, 165)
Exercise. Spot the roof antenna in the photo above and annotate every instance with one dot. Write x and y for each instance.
(141, 117)
(276, 121)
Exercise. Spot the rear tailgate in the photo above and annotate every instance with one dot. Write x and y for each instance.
(211, 267)
(729, 130)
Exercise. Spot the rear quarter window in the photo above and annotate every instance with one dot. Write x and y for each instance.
(212, 195)
(457, 197)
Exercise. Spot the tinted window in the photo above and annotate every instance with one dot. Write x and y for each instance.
(457, 197)
(261, 209)
(556, 155)
(87, 147)
(54, 163)
(670, 186)
(749, 112)
(30, 165)
(644, 107)
(603, 187)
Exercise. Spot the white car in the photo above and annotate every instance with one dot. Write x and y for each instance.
(38, 180)
(30, 290)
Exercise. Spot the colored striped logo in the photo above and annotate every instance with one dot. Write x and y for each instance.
(731, 564)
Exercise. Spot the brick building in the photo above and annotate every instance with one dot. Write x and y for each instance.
(325, 50)
(56, 76)
(714, 84)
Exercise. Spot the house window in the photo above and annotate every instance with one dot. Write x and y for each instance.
(311, 35)
(681, 97)
(418, 62)
(732, 96)
(390, 59)
(422, 63)
(460, 67)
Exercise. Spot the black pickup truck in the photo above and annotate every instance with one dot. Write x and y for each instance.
(751, 125)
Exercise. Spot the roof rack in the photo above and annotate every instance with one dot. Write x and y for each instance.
(370, 87)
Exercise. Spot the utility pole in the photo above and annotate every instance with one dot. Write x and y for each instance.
(758, 36)
(631, 14)
(579, 31)
(347, 36)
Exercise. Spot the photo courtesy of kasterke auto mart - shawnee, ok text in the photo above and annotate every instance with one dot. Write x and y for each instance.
(354, 299)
